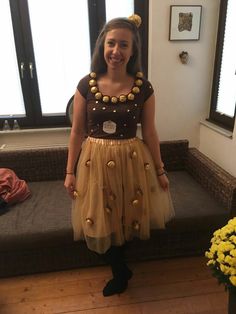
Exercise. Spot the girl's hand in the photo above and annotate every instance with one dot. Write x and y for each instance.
(69, 184)
(164, 182)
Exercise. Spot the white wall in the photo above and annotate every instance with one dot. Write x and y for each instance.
(182, 91)
(219, 148)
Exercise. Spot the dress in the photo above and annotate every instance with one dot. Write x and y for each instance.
(118, 193)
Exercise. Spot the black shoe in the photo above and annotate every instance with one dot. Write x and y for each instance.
(121, 273)
(118, 284)
(128, 273)
(115, 286)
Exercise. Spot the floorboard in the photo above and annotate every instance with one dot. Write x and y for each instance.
(179, 286)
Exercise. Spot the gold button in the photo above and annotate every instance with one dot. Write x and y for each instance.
(136, 225)
(98, 95)
(139, 82)
(94, 89)
(122, 98)
(131, 96)
(139, 74)
(112, 197)
(89, 221)
(93, 75)
(135, 202)
(76, 194)
(92, 82)
(111, 164)
(88, 163)
(114, 99)
(133, 154)
(108, 210)
(135, 89)
(139, 192)
(147, 166)
(106, 98)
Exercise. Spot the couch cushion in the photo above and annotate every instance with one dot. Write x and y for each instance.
(44, 219)
(194, 206)
(190, 199)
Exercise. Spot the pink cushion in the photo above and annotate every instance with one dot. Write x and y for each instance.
(12, 189)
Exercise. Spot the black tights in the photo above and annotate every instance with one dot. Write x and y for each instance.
(114, 257)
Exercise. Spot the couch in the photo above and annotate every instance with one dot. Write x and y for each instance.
(36, 235)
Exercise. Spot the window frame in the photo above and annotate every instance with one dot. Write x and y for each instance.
(25, 53)
(216, 117)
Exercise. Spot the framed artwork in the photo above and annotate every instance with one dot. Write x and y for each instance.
(185, 22)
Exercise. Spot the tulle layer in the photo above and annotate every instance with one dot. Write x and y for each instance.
(119, 196)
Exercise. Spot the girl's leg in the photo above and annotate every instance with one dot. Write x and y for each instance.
(121, 273)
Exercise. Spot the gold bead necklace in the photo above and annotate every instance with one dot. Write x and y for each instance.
(114, 99)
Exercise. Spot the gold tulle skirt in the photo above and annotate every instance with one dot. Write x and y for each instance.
(118, 194)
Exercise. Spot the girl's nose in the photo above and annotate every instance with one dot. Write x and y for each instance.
(116, 49)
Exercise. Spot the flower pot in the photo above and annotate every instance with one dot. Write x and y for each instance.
(232, 303)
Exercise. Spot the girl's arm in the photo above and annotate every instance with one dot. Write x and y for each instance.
(76, 138)
(151, 139)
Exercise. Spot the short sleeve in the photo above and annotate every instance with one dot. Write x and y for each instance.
(82, 86)
(148, 90)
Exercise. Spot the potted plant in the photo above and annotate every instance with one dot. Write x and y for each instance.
(222, 260)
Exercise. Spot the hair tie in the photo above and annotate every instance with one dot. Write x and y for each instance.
(136, 19)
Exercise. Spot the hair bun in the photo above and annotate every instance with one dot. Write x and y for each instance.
(136, 19)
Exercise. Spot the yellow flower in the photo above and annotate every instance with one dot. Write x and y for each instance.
(214, 248)
(215, 233)
(232, 222)
(233, 252)
(225, 246)
(208, 254)
(228, 260)
(211, 262)
(220, 258)
(233, 280)
(233, 262)
(222, 252)
(233, 239)
(222, 268)
(227, 270)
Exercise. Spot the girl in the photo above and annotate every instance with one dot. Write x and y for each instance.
(120, 189)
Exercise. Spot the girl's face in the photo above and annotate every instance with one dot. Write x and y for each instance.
(118, 48)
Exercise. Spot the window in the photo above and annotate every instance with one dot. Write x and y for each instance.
(9, 76)
(48, 47)
(224, 82)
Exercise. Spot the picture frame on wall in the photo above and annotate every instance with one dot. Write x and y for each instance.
(185, 22)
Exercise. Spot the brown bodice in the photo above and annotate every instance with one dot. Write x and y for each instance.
(113, 121)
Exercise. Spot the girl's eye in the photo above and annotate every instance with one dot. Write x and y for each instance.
(110, 43)
(124, 45)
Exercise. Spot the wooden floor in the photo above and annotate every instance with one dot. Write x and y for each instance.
(182, 285)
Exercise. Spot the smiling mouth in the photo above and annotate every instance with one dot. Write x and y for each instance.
(115, 60)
